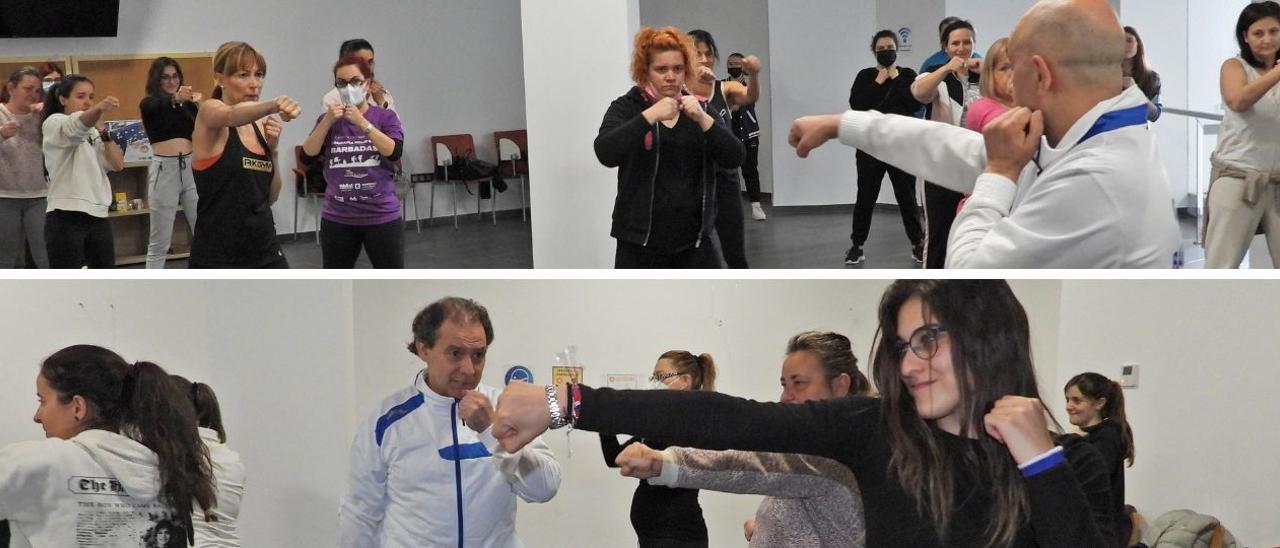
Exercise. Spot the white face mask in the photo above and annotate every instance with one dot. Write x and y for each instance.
(47, 85)
(656, 385)
(352, 95)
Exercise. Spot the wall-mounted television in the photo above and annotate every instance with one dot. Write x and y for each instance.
(58, 18)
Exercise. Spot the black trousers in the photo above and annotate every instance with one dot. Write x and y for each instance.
(629, 255)
(940, 211)
(75, 239)
(871, 173)
(730, 229)
(340, 244)
(751, 169)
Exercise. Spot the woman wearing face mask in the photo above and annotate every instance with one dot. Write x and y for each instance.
(809, 500)
(886, 88)
(234, 149)
(220, 529)
(664, 516)
(359, 145)
(77, 154)
(50, 75)
(1137, 73)
(667, 149)
(1095, 404)
(23, 189)
(947, 91)
(169, 115)
(1244, 197)
(721, 98)
(116, 432)
(957, 450)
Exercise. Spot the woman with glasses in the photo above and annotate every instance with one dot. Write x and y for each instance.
(169, 115)
(957, 451)
(667, 516)
(359, 144)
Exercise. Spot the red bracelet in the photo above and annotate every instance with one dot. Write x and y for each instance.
(575, 405)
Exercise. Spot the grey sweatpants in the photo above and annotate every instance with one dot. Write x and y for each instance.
(171, 184)
(22, 220)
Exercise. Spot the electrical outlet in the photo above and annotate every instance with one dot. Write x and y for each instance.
(421, 177)
(1129, 375)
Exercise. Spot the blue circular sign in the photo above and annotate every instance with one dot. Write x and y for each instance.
(518, 373)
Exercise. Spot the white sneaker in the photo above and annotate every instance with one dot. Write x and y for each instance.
(757, 212)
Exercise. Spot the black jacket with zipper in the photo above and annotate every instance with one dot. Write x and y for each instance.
(629, 143)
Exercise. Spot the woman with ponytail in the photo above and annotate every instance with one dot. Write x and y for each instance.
(228, 469)
(1095, 404)
(667, 516)
(122, 456)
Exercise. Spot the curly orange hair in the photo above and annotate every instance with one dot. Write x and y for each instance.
(650, 41)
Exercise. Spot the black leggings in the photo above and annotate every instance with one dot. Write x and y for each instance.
(751, 168)
(631, 255)
(730, 219)
(940, 211)
(340, 244)
(870, 174)
(75, 239)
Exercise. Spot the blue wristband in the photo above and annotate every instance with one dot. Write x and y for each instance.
(1050, 460)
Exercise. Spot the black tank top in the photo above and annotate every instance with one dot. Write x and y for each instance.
(234, 226)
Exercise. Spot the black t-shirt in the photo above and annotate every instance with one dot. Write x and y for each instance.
(1107, 438)
(659, 512)
(677, 197)
(165, 120)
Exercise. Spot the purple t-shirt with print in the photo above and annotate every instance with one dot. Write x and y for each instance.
(360, 184)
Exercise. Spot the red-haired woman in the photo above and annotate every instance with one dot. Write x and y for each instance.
(359, 144)
(666, 148)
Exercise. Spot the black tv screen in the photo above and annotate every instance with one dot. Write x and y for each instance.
(58, 18)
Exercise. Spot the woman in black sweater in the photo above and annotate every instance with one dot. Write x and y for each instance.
(667, 517)
(666, 148)
(956, 452)
(1096, 405)
(886, 88)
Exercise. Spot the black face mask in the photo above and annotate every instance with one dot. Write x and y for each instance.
(735, 72)
(887, 57)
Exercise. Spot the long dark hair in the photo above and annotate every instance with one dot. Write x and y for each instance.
(991, 357)
(154, 87)
(703, 37)
(1098, 387)
(140, 400)
(1251, 14)
(1138, 67)
(63, 89)
(205, 401)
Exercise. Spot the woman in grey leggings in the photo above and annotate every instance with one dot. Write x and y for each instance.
(169, 116)
(23, 188)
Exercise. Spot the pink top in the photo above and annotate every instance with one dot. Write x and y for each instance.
(983, 111)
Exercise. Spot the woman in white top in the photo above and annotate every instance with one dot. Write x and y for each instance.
(228, 470)
(947, 90)
(121, 466)
(77, 156)
(1244, 197)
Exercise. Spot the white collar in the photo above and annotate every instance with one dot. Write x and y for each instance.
(1130, 97)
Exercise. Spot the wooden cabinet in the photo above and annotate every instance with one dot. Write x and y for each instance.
(132, 229)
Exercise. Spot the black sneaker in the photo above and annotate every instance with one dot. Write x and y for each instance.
(854, 256)
(917, 254)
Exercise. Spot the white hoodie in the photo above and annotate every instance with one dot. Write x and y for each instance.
(416, 469)
(228, 474)
(96, 489)
(75, 158)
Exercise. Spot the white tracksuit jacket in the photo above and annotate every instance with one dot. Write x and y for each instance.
(419, 477)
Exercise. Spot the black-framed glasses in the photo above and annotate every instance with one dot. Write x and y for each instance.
(662, 377)
(923, 342)
(352, 82)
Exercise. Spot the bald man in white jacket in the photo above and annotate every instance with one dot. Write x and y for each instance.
(1069, 178)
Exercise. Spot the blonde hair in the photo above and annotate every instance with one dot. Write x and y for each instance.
(700, 368)
(233, 57)
(986, 79)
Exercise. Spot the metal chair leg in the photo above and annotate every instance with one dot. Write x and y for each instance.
(454, 188)
(479, 212)
(417, 220)
(522, 200)
(318, 206)
(431, 207)
(295, 216)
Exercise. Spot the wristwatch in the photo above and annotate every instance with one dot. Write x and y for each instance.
(368, 127)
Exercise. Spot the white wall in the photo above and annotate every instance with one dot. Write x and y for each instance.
(573, 76)
(453, 67)
(1204, 414)
(815, 49)
(621, 327)
(737, 25)
(277, 353)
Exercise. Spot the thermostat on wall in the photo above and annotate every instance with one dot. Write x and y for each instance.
(1129, 375)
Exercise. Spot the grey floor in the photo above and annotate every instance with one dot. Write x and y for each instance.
(792, 237)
